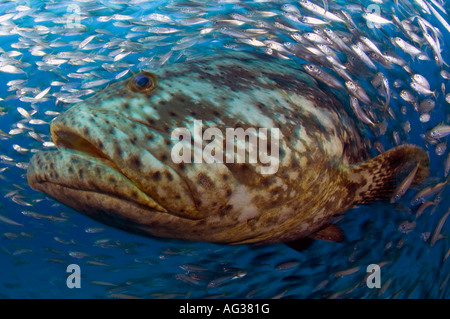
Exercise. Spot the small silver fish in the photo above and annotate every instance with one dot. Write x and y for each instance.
(424, 118)
(381, 83)
(83, 43)
(161, 30)
(37, 122)
(313, 21)
(121, 74)
(362, 116)
(426, 105)
(9, 68)
(42, 93)
(439, 131)
(406, 47)
(372, 46)
(323, 76)
(441, 148)
(290, 8)
(287, 265)
(121, 17)
(447, 165)
(427, 192)
(422, 5)
(94, 83)
(441, 19)
(395, 134)
(445, 74)
(404, 185)
(375, 18)
(421, 80)
(421, 89)
(337, 39)
(408, 96)
(358, 91)
(292, 17)
(347, 272)
(122, 55)
(252, 42)
(157, 17)
(437, 232)
(435, 46)
(233, 33)
(241, 17)
(407, 226)
(20, 149)
(24, 112)
(314, 37)
(9, 221)
(438, 5)
(424, 206)
(319, 11)
(6, 17)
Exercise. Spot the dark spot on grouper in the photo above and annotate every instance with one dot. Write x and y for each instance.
(116, 162)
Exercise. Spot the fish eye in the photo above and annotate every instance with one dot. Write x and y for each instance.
(350, 85)
(142, 82)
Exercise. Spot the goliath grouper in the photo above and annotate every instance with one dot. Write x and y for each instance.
(114, 161)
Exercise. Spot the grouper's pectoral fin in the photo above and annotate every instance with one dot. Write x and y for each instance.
(329, 233)
(299, 244)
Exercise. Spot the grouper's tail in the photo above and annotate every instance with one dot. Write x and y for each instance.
(381, 175)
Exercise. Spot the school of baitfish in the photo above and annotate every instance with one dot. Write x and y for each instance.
(368, 54)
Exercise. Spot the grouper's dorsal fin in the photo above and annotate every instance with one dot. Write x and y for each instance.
(378, 177)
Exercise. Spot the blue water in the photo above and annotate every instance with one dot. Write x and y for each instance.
(41, 237)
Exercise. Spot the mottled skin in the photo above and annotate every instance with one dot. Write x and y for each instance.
(114, 161)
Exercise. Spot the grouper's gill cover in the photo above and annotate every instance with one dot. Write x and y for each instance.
(114, 162)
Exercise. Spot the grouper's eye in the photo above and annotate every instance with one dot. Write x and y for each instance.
(142, 82)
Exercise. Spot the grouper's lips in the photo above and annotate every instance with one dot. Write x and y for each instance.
(79, 174)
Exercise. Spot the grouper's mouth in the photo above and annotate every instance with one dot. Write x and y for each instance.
(83, 177)
(73, 141)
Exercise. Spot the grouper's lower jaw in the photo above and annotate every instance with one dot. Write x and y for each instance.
(90, 185)
(94, 188)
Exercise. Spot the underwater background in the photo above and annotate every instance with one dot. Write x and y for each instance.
(56, 53)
